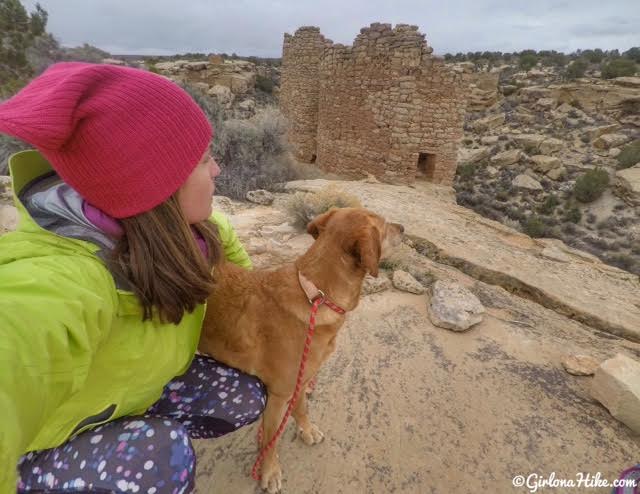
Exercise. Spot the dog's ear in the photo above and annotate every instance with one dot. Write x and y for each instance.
(315, 226)
(367, 250)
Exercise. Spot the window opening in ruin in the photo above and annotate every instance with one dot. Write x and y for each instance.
(313, 158)
(426, 165)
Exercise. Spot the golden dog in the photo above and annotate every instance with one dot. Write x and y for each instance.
(257, 321)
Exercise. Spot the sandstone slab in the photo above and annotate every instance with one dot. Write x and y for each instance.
(543, 164)
(557, 173)
(627, 184)
(524, 181)
(592, 292)
(616, 384)
(469, 156)
(488, 123)
(606, 141)
(506, 158)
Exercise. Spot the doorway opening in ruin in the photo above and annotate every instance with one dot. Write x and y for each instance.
(426, 166)
(313, 159)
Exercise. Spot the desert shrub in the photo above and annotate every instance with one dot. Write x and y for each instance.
(44, 51)
(619, 67)
(572, 214)
(635, 248)
(633, 53)
(264, 84)
(629, 155)
(18, 30)
(151, 67)
(85, 53)
(252, 154)
(463, 197)
(513, 224)
(304, 206)
(516, 214)
(8, 146)
(623, 261)
(528, 61)
(590, 185)
(534, 227)
(549, 204)
(502, 196)
(569, 228)
(467, 171)
(598, 242)
(576, 69)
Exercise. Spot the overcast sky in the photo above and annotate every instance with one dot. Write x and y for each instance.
(256, 27)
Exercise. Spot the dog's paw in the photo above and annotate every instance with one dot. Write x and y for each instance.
(272, 479)
(312, 435)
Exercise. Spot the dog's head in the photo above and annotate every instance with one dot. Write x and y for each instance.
(362, 234)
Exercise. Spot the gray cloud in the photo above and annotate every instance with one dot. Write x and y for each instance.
(256, 27)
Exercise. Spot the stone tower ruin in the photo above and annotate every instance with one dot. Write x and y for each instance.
(384, 106)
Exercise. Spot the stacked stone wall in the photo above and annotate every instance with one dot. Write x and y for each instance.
(380, 104)
(299, 88)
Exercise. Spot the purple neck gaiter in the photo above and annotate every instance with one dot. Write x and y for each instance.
(112, 227)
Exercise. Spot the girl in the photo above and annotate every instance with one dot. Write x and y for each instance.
(103, 285)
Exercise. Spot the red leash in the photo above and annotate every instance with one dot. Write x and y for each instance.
(316, 302)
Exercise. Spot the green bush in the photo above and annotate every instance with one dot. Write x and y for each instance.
(528, 61)
(590, 185)
(593, 56)
(264, 84)
(467, 171)
(629, 156)
(252, 154)
(620, 67)
(150, 64)
(633, 54)
(576, 69)
(549, 204)
(534, 227)
(85, 53)
(18, 30)
(572, 214)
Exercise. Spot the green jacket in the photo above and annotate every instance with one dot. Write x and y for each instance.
(74, 351)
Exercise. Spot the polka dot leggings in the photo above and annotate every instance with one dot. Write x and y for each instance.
(151, 453)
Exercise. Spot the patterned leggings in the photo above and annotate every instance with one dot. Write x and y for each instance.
(151, 453)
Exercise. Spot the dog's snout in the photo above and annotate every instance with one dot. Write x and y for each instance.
(399, 227)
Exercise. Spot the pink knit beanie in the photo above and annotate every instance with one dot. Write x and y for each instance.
(125, 139)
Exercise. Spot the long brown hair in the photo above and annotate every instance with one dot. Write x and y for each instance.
(162, 262)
